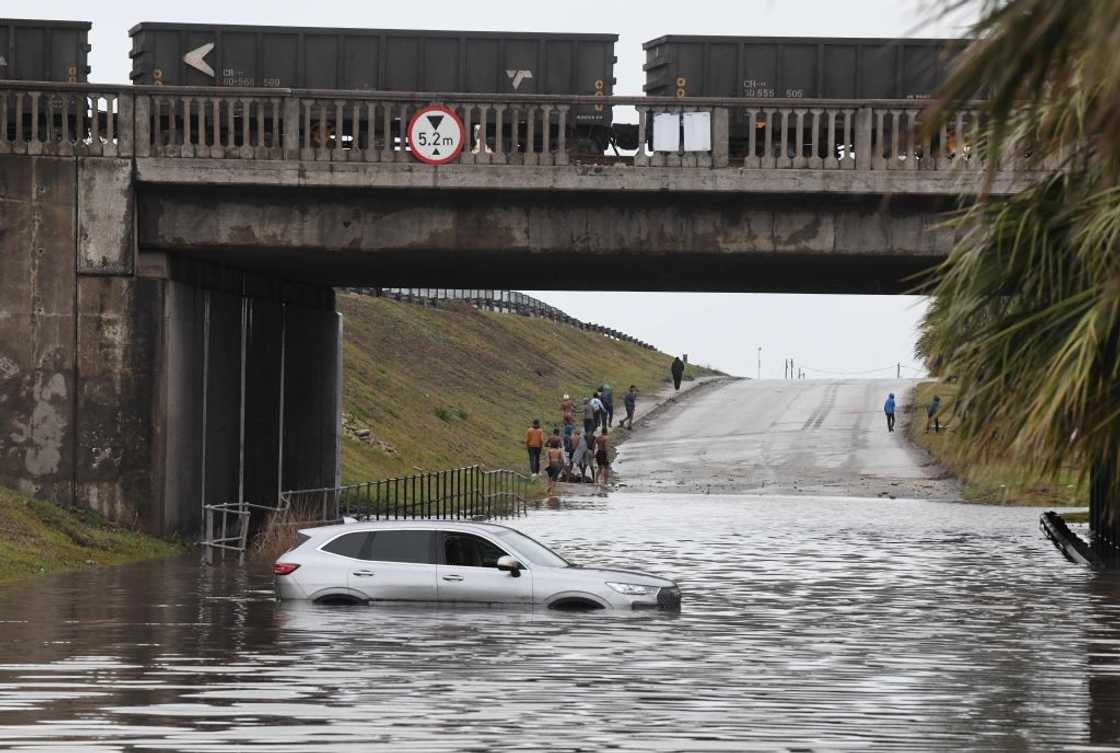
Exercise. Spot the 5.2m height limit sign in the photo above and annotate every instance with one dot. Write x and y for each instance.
(436, 135)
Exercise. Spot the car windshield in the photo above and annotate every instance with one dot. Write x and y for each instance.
(532, 550)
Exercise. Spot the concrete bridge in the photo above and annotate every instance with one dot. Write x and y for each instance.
(168, 336)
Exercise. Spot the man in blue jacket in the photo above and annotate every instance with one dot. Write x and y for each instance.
(888, 408)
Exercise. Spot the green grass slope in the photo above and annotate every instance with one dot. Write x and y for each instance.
(42, 537)
(435, 388)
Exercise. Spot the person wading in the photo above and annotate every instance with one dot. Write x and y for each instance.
(630, 400)
(677, 370)
(602, 458)
(534, 441)
(554, 460)
(888, 408)
(580, 455)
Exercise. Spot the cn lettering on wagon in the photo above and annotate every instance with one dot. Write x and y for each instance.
(436, 135)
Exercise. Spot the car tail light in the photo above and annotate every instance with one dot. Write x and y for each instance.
(284, 568)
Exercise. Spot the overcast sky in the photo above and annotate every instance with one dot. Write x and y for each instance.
(830, 334)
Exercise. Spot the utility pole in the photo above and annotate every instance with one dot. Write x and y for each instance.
(791, 372)
(760, 362)
(898, 374)
(785, 369)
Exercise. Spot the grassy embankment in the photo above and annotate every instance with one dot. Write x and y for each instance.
(997, 482)
(435, 388)
(42, 537)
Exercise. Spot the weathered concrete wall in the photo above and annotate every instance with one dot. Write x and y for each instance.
(37, 326)
(144, 396)
(748, 243)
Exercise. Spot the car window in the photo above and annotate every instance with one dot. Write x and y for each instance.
(348, 545)
(401, 546)
(467, 550)
(532, 550)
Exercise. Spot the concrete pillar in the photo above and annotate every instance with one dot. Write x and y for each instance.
(38, 292)
(721, 137)
(863, 125)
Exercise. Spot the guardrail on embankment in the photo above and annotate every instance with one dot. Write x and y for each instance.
(467, 493)
(504, 301)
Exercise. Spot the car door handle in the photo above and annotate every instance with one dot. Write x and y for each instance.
(454, 578)
(363, 573)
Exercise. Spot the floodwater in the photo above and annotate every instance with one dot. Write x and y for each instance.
(808, 624)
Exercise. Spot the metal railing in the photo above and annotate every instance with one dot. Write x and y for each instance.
(502, 301)
(468, 493)
(367, 127)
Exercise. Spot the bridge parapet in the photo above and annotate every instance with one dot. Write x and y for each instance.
(367, 127)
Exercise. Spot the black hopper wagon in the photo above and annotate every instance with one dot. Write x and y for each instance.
(786, 69)
(325, 63)
(35, 50)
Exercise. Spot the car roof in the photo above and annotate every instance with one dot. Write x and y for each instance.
(388, 525)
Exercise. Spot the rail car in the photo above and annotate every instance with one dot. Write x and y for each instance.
(33, 50)
(789, 68)
(384, 60)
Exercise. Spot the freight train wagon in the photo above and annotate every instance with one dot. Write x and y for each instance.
(383, 60)
(32, 50)
(43, 50)
(795, 68)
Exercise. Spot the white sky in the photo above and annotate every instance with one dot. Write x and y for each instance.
(831, 333)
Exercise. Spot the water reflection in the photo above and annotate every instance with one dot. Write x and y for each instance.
(812, 624)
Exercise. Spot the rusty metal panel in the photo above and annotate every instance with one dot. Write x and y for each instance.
(33, 50)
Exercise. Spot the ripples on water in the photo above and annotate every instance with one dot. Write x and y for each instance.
(807, 625)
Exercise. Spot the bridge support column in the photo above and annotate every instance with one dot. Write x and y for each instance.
(144, 389)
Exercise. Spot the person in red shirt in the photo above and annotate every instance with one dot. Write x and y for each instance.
(534, 441)
(566, 409)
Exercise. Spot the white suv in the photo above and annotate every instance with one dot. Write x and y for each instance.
(450, 561)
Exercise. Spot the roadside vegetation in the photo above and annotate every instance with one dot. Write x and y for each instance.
(436, 388)
(42, 537)
(1025, 313)
(1000, 480)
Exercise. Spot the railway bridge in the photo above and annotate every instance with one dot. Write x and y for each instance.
(168, 334)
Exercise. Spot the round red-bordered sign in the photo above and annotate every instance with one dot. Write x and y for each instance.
(436, 135)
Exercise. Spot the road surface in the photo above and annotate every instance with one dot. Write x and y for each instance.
(782, 437)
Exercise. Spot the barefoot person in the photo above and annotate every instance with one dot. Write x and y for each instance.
(602, 458)
(580, 456)
(554, 460)
(566, 410)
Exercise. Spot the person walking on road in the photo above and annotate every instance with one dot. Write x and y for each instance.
(677, 370)
(630, 400)
(888, 408)
(932, 414)
(534, 441)
(573, 453)
(599, 411)
(566, 410)
(602, 458)
(554, 460)
(607, 396)
(588, 415)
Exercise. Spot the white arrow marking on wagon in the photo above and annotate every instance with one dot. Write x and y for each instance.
(518, 77)
(194, 59)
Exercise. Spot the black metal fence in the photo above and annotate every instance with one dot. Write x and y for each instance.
(504, 301)
(467, 493)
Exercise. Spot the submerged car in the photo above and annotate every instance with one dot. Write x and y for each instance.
(453, 562)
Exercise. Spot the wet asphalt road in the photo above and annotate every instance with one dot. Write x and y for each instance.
(823, 438)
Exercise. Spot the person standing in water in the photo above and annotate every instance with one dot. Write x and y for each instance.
(888, 408)
(534, 441)
(554, 460)
(602, 458)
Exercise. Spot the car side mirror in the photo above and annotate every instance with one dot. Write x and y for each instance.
(509, 565)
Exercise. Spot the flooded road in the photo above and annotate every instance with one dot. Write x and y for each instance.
(816, 437)
(808, 624)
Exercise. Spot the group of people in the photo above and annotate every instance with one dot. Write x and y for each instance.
(933, 413)
(569, 453)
